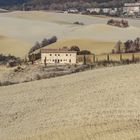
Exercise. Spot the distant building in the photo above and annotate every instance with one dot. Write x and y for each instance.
(58, 56)
(106, 10)
(73, 10)
(131, 8)
(94, 10)
(110, 11)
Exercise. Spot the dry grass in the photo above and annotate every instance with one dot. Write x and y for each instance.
(105, 33)
(101, 104)
(96, 47)
(117, 57)
(13, 46)
(32, 26)
(64, 18)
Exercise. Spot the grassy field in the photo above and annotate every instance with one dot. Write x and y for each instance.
(13, 46)
(26, 28)
(100, 104)
(96, 47)
(64, 18)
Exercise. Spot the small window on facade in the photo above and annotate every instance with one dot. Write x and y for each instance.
(58, 54)
(55, 54)
(66, 54)
(50, 54)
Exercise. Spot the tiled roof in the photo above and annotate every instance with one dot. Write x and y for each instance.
(56, 51)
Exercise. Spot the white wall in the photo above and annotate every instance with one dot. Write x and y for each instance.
(52, 58)
(132, 9)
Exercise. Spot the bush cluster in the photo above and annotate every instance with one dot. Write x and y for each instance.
(4, 59)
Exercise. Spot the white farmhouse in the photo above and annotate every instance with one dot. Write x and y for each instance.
(131, 8)
(106, 10)
(92, 10)
(58, 56)
(73, 10)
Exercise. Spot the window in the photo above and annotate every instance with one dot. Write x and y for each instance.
(58, 54)
(55, 54)
(66, 54)
(50, 54)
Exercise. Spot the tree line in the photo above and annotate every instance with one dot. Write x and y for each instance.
(45, 42)
(79, 52)
(129, 46)
(61, 4)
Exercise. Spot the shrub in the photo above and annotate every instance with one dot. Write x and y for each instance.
(75, 48)
(7, 83)
(52, 40)
(9, 58)
(84, 52)
(38, 77)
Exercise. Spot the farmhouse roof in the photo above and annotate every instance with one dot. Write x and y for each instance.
(60, 50)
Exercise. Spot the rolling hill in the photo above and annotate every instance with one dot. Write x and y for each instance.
(101, 104)
(95, 35)
(9, 45)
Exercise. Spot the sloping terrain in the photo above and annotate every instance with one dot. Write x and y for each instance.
(32, 26)
(63, 18)
(96, 47)
(104, 32)
(101, 104)
(13, 46)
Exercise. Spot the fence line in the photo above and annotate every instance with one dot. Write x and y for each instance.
(108, 57)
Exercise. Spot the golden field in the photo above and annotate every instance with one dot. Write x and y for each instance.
(13, 46)
(96, 47)
(28, 27)
(101, 104)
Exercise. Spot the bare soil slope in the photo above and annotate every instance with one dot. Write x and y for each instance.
(102, 104)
